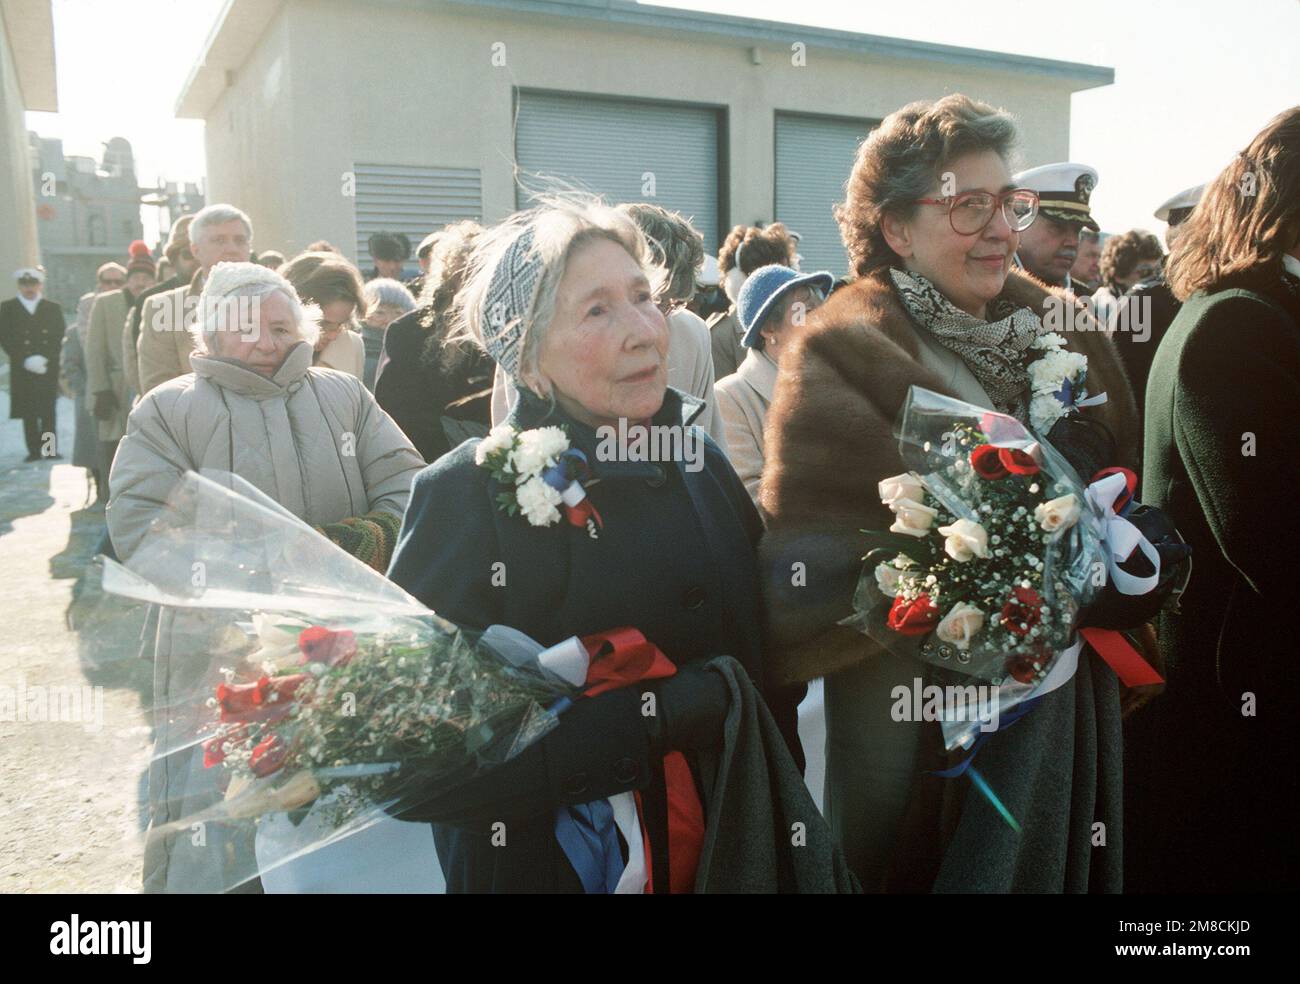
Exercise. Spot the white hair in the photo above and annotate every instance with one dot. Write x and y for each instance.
(559, 224)
(386, 290)
(234, 280)
(216, 215)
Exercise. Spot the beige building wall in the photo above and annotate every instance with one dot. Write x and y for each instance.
(420, 87)
(254, 146)
(19, 245)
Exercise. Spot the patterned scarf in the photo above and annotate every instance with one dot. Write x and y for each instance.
(994, 350)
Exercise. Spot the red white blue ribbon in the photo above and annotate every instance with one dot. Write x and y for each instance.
(565, 477)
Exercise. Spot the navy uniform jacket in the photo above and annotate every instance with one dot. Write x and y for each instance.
(675, 559)
(21, 335)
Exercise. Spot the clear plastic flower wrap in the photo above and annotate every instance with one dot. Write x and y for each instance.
(995, 548)
(298, 680)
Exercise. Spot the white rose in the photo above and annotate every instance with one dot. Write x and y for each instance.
(960, 625)
(966, 540)
(537, 450)
(1058, 514)
(538, 502)
(905, 487)
(499, 438)
(912, 518)
(887, 579)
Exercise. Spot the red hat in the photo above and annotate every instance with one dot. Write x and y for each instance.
(141, 259)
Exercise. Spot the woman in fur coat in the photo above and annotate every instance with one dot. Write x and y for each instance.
(935, 304)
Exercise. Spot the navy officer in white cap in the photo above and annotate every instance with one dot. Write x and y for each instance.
(1149, 307)
(1049, 247)
(31, 333)
(1174, 211)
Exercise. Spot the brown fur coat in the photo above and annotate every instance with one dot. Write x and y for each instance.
(829, 441)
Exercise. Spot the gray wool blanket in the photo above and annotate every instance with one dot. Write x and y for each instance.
(1059, 771)
(763, 831)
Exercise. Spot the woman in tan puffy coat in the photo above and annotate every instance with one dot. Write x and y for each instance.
(312, 439)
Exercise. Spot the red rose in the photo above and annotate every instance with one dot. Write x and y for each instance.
(268, 756)
(1017, 462)
(1024, 607)
(913, 617)
(269, 699)
(320, 645)
(988, 463)
(1024, 668)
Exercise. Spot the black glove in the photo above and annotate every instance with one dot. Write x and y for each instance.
(691, 708)
(105, 405)
(1084, 442)
(1113, 610)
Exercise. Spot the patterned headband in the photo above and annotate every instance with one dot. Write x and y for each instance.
(509, 302)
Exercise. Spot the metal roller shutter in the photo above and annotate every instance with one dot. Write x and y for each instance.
(607, 146)
(412, 199)
(814, 156)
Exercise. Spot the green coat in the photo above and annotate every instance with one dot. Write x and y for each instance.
(1210, 792)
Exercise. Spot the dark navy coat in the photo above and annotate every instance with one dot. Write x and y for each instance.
(675, 559)
(22, 335)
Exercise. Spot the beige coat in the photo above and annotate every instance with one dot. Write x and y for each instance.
(743, 399)
(690, 369)
(104, 369)
(290, 436)
(165, 341)
(130, 358)
(346, 353)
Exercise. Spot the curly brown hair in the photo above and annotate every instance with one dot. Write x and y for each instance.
(757, 247)
(1123, 252)
(1248, 216)
(901, 160)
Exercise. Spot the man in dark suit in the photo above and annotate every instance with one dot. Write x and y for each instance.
(31, 333)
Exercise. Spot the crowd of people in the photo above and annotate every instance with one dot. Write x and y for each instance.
(364, 405)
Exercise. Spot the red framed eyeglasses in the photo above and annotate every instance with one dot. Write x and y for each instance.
(971, 211)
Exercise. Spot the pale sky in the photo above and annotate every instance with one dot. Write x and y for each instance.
(1194, 79)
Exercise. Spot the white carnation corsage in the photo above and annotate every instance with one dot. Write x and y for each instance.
(1057, 383)
(542, 475)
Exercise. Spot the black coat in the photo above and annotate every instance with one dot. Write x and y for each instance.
(675, 559)
(22, 335)
(1137, 349)
(1210, 793)
(424, 381)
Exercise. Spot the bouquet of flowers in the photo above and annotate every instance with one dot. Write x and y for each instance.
(314, 679)
(995, 549)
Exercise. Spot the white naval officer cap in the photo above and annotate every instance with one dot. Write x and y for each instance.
(1185, 200)
(1064, 189)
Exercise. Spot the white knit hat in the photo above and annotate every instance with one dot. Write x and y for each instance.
(226, 279)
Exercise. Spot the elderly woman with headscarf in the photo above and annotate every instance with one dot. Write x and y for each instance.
(931, 220)
(312, 439)
(677, 248)
(562, 297)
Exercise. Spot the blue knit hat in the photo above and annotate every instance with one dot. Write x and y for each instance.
(764, 289)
